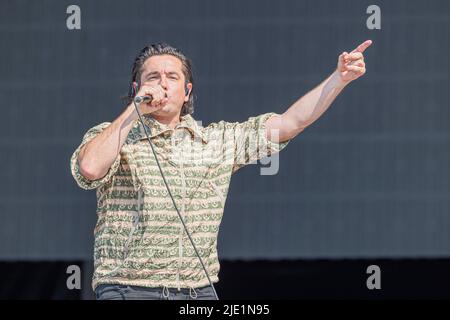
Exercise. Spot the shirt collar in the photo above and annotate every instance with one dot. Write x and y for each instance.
(158, 128)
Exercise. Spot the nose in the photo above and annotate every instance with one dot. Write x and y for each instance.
(163, 82)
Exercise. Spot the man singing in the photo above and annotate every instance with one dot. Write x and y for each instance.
(142, 250)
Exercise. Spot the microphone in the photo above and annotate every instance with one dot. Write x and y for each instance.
(140, 99)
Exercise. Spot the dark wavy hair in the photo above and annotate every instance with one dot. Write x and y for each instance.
(161, 49)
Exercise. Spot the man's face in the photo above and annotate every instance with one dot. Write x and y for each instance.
(166, 71)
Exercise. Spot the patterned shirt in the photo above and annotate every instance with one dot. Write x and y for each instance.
(139, 238)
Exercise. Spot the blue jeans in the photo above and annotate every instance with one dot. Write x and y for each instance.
(124, 292)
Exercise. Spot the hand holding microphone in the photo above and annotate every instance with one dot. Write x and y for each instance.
(150, 98)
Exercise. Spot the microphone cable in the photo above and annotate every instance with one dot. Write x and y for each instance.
(136, 101)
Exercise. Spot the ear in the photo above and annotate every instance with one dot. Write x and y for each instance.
(188, 89)
(135, 88)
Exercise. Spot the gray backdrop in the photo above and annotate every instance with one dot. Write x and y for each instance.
(369, 179)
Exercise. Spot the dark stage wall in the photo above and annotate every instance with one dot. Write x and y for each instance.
(370, 179)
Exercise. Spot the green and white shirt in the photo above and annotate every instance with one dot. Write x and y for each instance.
(139, 238)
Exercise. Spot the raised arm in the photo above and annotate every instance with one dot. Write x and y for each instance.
(312, 105)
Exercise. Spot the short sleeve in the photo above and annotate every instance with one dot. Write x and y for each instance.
(251, 143)
(82, 181)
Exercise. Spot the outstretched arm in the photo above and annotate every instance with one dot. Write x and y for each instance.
(312, 105)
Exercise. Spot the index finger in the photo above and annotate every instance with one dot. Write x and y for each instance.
(363, 46)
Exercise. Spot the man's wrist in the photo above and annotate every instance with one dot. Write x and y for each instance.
(131, 112)
(337, 80)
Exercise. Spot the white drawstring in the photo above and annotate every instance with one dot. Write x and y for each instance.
(165, 292)
(190, 293)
